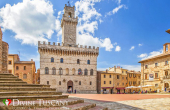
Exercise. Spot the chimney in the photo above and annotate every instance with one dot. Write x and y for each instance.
(106, 70)
(114, 68)
(31, 59)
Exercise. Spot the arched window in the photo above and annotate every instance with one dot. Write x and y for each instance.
(59, 82)
(79, 72)
(90, 83)
(85, 72)
(52, 59)
(73, 71)
(78, 61)
(79, 82)
(91, 72)
(24, 76)
(88, 62)
(53, 70)
(61, 60)
(46, 70)
(69, 14)
(60, 71)
(67, 71)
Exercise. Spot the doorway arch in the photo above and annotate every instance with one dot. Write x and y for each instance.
(70, 85)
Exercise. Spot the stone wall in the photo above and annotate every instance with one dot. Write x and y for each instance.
(4, 57)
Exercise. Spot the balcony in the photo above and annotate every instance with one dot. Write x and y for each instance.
(166, 77)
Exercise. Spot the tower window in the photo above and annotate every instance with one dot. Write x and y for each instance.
(69, 14)
(79, 72)
(91, 72)
(79, 82)
(47, 82)
(25, 76)
(90, 83)
(46, 70)
(78, 61)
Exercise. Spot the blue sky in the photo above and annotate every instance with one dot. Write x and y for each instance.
(125, 30)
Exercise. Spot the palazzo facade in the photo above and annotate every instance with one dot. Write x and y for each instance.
(68, 65)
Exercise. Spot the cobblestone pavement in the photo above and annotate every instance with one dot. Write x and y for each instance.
(139, 104)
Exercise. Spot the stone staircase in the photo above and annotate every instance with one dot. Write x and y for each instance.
(36, 97)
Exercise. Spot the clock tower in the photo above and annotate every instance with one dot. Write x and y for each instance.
(69, 25)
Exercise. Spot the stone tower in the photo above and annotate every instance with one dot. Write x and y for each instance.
(3, 55)
(68, 25)
(0, 50)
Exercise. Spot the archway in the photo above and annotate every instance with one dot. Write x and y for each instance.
(166, 85)
(70, 85)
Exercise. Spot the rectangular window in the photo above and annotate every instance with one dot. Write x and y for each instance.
(123, 84)
(166, 62)
(104, 76)
(156, 75)
(117, 76)
(156, 64)
(24, 67)
(104, 82)
(122, 77)
(47, 82)
(110, 76)
(17, 68)
(122, 71)
(156, 85)
(146, 66)
(10, 62)
(139, 82)
(110, 82)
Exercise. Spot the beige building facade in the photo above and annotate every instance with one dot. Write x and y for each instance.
(12, 58)
(155, 71)
(68, 66)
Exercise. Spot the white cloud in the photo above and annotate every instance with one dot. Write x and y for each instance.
(133, 47)
(132, 67)
(142, 55)
(31, 20)
(118, 1)
(86, 28)
(140, 45)
(115, 10)
(118, 48)
(151, 54)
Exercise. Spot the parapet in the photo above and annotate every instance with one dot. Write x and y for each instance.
(58, 45)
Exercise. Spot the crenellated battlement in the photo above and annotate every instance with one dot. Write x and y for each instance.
(61, 48)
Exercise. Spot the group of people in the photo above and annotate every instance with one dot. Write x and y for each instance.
(70, 90)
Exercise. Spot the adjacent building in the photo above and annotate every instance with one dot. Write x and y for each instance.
(12, 58)
(3, 55)
(155, 71)
(68, 65)
(113, 80)
(25, 70)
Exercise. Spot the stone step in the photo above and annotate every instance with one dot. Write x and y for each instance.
(79, 106)
(7, 89)
(12, 82)
(41, 104)
(23, 85)
(6, 76)
(10, 79)
(29, 98)
(29, 93)
(98, 108)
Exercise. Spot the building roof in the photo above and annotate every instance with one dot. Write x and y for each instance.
(134, 72)
(12, 54)
(24, 62)
(158, 56)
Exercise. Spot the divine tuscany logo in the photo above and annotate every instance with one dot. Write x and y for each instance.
(7, 101)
